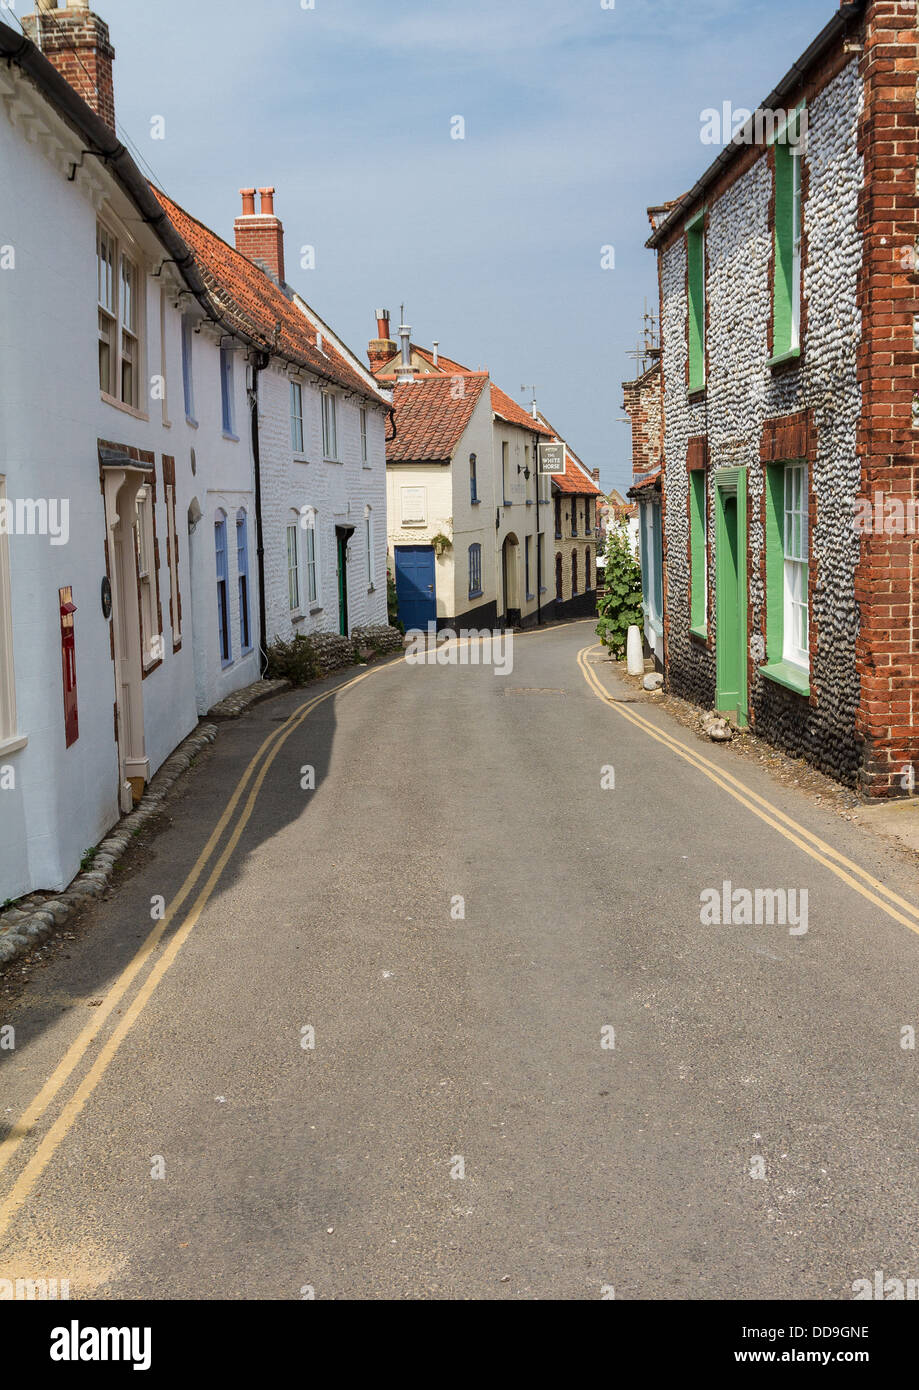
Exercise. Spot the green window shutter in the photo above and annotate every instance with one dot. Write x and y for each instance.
(775, 562)
(695, 251)
(697, 617)
(786, 282)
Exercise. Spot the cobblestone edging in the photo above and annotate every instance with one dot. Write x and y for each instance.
(37, 916)
(241, 700)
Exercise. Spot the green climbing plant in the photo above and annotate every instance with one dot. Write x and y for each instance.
(620, 606)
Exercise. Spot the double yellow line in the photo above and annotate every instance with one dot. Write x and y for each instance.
(856, 877)
(255, 773)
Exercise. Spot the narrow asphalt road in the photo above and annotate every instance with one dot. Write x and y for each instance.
(461, 910)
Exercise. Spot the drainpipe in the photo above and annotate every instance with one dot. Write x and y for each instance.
(260, 362)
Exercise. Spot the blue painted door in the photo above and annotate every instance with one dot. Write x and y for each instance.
(415, 585)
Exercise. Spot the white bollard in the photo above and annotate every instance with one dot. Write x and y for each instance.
(634, 652)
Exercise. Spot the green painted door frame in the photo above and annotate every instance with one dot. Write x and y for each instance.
(731, 592)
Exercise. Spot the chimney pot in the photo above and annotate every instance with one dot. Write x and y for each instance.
(382, 316)
(260, 236)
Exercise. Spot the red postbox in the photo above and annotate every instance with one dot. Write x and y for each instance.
(69, 665)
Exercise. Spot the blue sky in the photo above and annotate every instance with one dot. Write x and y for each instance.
(577, 118)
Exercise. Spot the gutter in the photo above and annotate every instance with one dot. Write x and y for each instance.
(796, 73)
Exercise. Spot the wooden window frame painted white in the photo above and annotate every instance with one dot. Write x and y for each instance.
(10, 738)
(296, 418)
(365, 442)
(330, 427)
(795, 566)
(294, 578)
(368, 541)
(311, 562)
(110, 307)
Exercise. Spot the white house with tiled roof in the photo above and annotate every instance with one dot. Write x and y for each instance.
(494, 483)
(140, 498)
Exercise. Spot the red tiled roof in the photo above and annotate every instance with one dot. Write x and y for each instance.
(574, 479)
(646, 483)
(250, 301)
(515, 414)
(431, 418)
(501, 403)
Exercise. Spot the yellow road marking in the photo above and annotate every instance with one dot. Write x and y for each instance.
(31, 1116)
(77, 1049)
(810, 843)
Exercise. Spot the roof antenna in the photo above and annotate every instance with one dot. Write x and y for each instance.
(524, 389)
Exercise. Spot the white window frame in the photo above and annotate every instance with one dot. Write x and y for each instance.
(296, 417)
(9, 727)
(368, 539)
(124, 336)
(311, 561)
(795, 543)
(329, 427)
(365, 444)
(294, 579)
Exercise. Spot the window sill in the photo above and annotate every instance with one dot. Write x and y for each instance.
(314, 611)
(326, 459)
(544, 591)
(529, 501)
(695, 394)
(784, 359)
(372, 589)
(225, 665)
(191, 422)
(13, 745)
(792, 677)
(120, 405)
(700, 632)
(298, 617)
(477, 593)
(476, 502)
(233, 438)
(300, 458)
(530, 598)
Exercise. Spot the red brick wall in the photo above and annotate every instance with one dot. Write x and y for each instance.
(262, 239)
(77, 43)
(888, 366)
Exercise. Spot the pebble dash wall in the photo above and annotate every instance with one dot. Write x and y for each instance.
(751, 413)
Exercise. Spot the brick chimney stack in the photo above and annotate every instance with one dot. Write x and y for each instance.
(383, 347)
(77, 42)
(260, 235)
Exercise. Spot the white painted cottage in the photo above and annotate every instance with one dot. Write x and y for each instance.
(173, 423)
